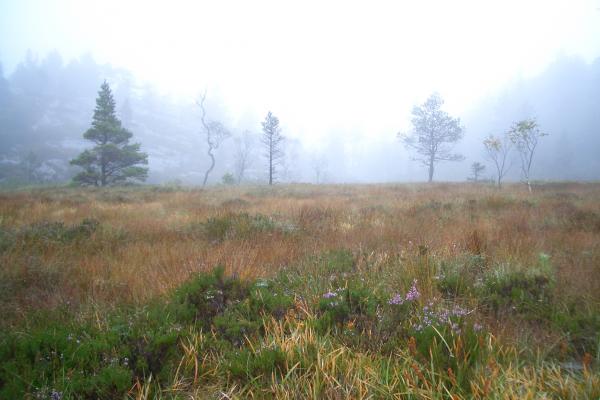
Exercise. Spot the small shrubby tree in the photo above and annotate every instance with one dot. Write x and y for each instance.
(272, 141)
(525, 135)
(477, 169)
(497, 150)
(113, 160)
(434, 134)
(228, 179)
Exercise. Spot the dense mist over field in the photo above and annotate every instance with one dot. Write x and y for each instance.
(299, 199)
(342, 81)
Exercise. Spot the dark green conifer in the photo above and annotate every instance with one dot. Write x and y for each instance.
(113, 160)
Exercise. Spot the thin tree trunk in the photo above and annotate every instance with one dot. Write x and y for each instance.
(103, 171)
(527, 180)
(270, 166)
(212, 165)
(431, 171)
(102, 161)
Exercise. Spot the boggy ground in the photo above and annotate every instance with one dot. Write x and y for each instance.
(300, 291)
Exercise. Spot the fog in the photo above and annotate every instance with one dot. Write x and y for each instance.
(342, 77)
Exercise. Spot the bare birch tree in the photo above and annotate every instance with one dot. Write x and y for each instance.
(214, 132)
(497, 150)
(525, 135)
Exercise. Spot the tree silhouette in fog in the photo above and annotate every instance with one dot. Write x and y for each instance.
(272, 140)
(215, 133)
(434, 134)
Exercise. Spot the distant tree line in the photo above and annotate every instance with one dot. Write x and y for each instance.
(114, 161)
(46, 104)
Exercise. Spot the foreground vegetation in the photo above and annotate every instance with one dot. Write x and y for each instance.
(391, 291)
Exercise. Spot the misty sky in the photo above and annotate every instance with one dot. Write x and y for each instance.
(321, 67)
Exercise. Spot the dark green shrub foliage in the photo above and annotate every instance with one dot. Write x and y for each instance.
(522, 292)
(234, 307)
(355, 302)
(234, 326)
(93, 361)
(82, 360)
(245, 318)
(454, 345)
(458, 279)
(206, 296)
(581, 328)
(245, 365)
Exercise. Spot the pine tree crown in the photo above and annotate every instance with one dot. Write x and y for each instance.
(106, 127)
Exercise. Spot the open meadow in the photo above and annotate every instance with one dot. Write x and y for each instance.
(440, 291)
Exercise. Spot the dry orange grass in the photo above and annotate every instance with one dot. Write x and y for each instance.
(144, 246)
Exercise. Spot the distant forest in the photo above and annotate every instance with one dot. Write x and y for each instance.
(46, 104)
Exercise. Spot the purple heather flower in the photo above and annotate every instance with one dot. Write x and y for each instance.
(396, 300)
(458, 311)
(329, 295)
(413, 292)
(477, 327)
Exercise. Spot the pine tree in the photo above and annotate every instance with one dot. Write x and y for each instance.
(434, 134)
(113, 160)
(272, 141)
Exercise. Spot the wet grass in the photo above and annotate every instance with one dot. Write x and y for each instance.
(380, 291)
